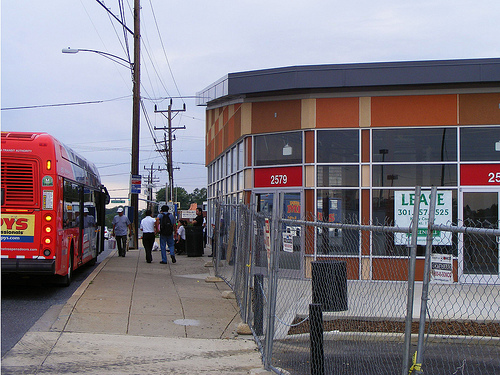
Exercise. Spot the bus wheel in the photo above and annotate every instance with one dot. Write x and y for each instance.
(92, 262)
(66, 279)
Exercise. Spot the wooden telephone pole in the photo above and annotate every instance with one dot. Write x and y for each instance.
(136, 116)
(168, 148)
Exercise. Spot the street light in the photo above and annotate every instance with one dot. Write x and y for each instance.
(114, 58)
(135, 68)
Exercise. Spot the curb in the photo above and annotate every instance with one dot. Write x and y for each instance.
(67, 309)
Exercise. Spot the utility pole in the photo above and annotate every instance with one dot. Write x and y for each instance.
(151, 180)
(136, 115)
(168, 148)
(136, 106)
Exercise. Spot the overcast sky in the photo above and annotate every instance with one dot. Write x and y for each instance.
(202, 41)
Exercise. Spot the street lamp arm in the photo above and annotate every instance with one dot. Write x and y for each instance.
(114, 58)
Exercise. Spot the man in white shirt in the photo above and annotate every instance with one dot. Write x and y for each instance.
(180, 244)
(148, 234)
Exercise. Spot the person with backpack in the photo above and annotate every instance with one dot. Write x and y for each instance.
(165, 221)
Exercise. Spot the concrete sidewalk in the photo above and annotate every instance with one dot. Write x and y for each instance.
(131, 317)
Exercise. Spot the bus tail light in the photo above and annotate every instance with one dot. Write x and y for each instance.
(47, 240)
(48, 217)
(47, 229)
(46, 252)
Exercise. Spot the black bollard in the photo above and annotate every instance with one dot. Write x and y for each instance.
(316, 338)
(258, 307)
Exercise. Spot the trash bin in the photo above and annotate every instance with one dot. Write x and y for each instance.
(329, 284)
(194, 241)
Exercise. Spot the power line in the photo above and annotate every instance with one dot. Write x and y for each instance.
(163, 48)
(103, 141)
(65, 104)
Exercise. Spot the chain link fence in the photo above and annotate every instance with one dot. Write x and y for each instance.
(316, 306)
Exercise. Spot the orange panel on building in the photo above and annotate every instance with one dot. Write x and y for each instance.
(237, 123)
(225, 115)
(365, 146)
(337, 112)
(420, 110)
(309, 147)
(276, 116)
(479, 109)
(390, 269)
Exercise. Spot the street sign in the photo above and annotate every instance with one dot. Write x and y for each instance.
(117, 201)
(135, 184)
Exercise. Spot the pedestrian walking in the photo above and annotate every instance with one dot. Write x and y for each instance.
(121, 228)
(165, 221)
(148, 234)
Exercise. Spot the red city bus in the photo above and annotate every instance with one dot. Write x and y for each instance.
(46, 191)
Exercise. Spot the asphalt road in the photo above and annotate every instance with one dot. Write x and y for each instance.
(25, 300)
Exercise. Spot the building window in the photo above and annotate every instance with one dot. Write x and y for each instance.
(241, 156)
(388, 175)
(338, 175)
(338, 146)
(415, 145)
(383, 207)
(241, 181)
(338, 206)
(276, 149)
(234, 157)
(228, 163)
(480, 144)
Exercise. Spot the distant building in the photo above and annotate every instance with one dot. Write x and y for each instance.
(344, 140)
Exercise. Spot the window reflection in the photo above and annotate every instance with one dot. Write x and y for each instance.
(383, 214)
(338, 175)
(337, 206)
(276, 149)
(480, 144)
(338, 146)
(415, 145)
(71, 205)
(414, 175)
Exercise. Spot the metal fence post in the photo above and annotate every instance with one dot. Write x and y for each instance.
(217, 234)
(316, 339)
(411, 283)
(425, 285)
(273, 277)
(247, 264)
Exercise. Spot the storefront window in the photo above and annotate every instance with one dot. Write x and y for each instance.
(234, 155)
(338, 175)
(241, 183)
(241, 156)
(276, 149)
(415, 175)
(415, 145)
(480, 144)
(383, 213)
(338, 146)
(338, 206)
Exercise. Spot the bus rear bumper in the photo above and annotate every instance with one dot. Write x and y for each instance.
(31, 266)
